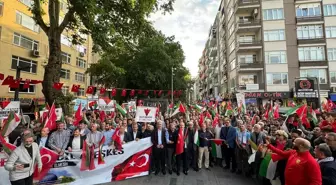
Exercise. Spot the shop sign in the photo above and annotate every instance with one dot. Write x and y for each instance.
(278, 95)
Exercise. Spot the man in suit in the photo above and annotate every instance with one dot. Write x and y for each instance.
(135, 135)
(125, 136)
(76, 141)
(183, 156)
(258, 138)
(228, 134)
(191, 158)
(43, 139)
(159, 143)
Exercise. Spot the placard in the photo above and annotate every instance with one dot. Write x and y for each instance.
(106, 105)
(11, 106)
(145, 114)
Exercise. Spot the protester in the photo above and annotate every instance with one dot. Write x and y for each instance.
(43, 139)
(327, 164)
(59, 139)
(108, 133)
(228, 134)
(171, 139)
(159, 145)
(204, 136)
(21, 163)
(76, 141)
(94, 137)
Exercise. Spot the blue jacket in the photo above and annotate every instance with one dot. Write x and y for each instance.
(230, 136)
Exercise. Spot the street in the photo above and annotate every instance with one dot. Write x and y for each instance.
(217, 176)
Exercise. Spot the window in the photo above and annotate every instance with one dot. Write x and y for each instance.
(26, 21)
(309, 32)
(332, 54)
(81, 48)
(66, 58)
(28, 3)
(65, 90)
(65, 73)
(308, 10)
(233, 64)
(31, 88)
(329, 9)
(277, 78)
(80, 92)
(80, 77)
(332, 76)
(1, 8)
(321, 74)
(275, 57)
(311, 53)
(248, 79)
(65, 40)
(274, 35)
(26, 64)
(247, 59)
(80, 63)
(232, 46)
(273, 14)
(25, 42)
(330, 31)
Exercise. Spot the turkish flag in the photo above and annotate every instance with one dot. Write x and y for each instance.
(114, 92)
(180, 143)
(48, 158)
(15, 83)
(75, 88)
(102, 90)
(78, 115)
(146, 93)
(58, 86)
(8, 80)
(117, 139)
(36, 81)
(102, 115)
(51, 119)
(89, 90)
(160, 93)
(123, 92)
(139, 91)
(132, 93)
(136, 165)
(26, 84)
(169, 93)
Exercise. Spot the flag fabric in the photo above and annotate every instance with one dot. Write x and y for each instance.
(78, 115)
(201, 120)
(295, 110)
(102, 90)
(215, 121)
(10, 124)
(75, 88)
(136, 165)
(276, 113)
(100, 155)
(26, 84)
(6, 146)
(102, 115)
(180, 143)
(50, 122)
(179, 109)
(85, 164)
(117, 139)
(92, 154)
(229, 110)
(216, 148)
(254, 119)
(199, 108)
(208, 115)
(48, 158)
(8, 80)
(196, 138)
(121, 109)
(312, 114)
(90, 90)
(15, 84)
(93, 105)
(58, 86)
(268, 167)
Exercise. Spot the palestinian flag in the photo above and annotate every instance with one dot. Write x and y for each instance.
(198, 108)
(10, 124)
(196, 138)
(242, 109)
(7, 147)
(229, 110)
(311, 114)
(121, 109)
(100, 155)
(170, 108)
(216, 148)
(254, 148)
(85, 165)
(296, 110)
(254, 119)
(93, 105)
(268, 167)
(180, 109)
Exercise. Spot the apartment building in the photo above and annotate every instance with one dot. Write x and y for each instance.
(24, 44)
(271, 43)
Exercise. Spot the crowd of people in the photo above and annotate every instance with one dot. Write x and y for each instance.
(304, 155)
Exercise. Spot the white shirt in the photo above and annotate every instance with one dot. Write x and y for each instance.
(217, 131)
(122, 137)
(134, 135)
(43, 141)
(160, 137)
(76, 143)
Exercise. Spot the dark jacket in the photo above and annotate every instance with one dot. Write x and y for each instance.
(82, 138)
(138, 135)
(229, 136)
(38, 140)
(203, 136)
(191, 134)
(172, 137)
(127, 137)
(154, 138)
(146, 133)
(328, 170)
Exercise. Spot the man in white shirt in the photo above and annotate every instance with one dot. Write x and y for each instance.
(76, 141)
(135, 135)
(94, 137)
(42, 141)
(219, 158)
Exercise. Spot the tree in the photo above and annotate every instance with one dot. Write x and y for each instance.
(108, 22)
(147, 66)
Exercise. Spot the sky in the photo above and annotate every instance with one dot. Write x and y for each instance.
(190, 23)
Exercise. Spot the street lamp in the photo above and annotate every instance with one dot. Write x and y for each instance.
(18, 74)
(318, 88)
(172, 84)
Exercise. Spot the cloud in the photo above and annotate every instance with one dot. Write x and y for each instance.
(190, 23)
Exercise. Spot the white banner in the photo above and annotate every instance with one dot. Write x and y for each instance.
(132, 161)
(59, 113)
(145, 114)
(106, 106)
(12, 106)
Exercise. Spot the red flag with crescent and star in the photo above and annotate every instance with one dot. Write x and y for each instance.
(135, 166)
(48, 158)
(117, 140)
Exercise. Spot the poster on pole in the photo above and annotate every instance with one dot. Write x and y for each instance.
(59, 113)
(9, 106)
(145, 114)
(241, 102)
(131, 106)
(106, 105)
(79, 101)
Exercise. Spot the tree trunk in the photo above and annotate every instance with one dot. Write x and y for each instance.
(52, 69)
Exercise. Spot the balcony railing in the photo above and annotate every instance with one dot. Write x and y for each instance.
(249, 43)
(247, 2)
(309, 40)
(252, 87)
(252, 22)
(309, 63)
(252, 64)
(310, 19)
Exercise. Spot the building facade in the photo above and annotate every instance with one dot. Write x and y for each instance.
(268, 44)
(24, 44)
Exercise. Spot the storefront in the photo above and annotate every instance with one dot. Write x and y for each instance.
(261, 98)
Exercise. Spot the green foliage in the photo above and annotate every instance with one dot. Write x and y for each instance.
(147, 66)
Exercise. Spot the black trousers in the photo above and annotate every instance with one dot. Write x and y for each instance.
(159, 159)
(229, 155)
(192, 160)
(182, 159)
(25, 181)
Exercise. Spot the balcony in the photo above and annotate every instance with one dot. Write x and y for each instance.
(253, 45)
(306, 41)
(213, 52)
(310, 19)
(248, 25)
(313, 63)
(213, 41)
(252, 87)
(251, 66)
(246, 5)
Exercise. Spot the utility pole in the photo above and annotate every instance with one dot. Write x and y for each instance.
(172, 85)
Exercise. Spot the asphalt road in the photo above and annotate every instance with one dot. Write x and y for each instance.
(217, 176)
